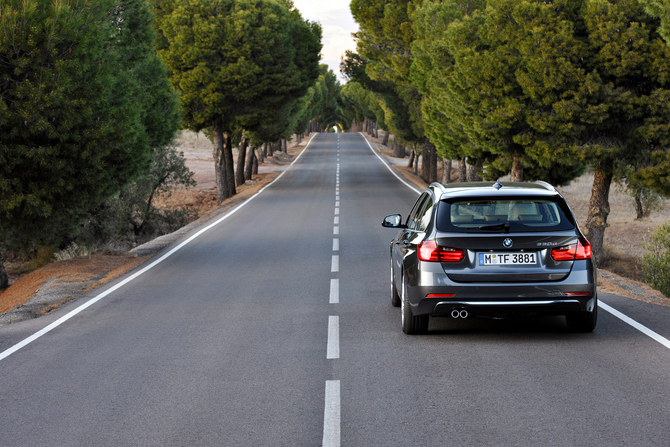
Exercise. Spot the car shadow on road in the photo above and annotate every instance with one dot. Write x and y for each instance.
(536, 326)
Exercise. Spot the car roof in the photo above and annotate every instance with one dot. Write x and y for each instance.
(490, 189)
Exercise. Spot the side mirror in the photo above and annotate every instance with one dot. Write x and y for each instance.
(393, 221)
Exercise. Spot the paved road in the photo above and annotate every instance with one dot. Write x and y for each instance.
(275, 328)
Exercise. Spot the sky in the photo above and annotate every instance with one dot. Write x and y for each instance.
(337, 23)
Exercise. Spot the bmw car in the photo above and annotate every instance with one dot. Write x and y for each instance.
(491, 250)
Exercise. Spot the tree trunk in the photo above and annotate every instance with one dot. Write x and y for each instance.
(284, 147)
(264, 152)
(261, 153)
(416, 163)
(385, 141)
(425, 160)
(599, 208)
(254, 164)
(517, 169)
(4, 279)
(474, 172)
(241, 158)
(220, 171)
(446, 171)
(639, 209)
(398, 150)
(462, 171)
(230, 164)
(432, 174)
(249, 163)
(410, 164)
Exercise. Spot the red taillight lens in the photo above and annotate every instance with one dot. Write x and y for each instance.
(576, 293)
(430, 251)
(583, 249)
(580, 250)
(440, 295)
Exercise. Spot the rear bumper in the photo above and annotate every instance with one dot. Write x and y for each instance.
(501, 299)
(504, 308)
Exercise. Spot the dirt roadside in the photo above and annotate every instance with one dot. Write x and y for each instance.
(58, 283)
(47, 288)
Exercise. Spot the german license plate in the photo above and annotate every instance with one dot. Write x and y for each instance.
(507, 258)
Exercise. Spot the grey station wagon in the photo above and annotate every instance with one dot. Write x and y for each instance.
(491, 250)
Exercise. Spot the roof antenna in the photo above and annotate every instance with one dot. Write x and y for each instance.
(497, 185)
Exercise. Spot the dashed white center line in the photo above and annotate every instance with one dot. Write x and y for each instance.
(335, 264)
(331, 415)
(336, 230)
(333, 347)
(337, 211)
(337, 220)
(337, 203)
(334, 291)
(336, 244)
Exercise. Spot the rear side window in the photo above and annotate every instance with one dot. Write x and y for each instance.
(520, 214)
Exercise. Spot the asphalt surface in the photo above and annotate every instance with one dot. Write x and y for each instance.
(242, 337)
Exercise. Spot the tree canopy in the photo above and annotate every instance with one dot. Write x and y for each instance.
(236, 64)
(83, 99)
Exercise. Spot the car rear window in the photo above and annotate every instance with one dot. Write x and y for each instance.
(518, 214)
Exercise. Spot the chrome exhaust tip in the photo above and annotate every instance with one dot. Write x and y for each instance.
(455, 313)
(463, 313)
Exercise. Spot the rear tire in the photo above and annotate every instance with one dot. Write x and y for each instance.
(582, 321)
(395, 299)
(411, 324)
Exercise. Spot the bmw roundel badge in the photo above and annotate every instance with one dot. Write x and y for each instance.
(507, 243)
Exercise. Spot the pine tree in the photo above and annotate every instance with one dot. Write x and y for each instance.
(78, 117)
(235, 62)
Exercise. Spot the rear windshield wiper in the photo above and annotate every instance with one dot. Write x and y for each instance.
(498, 226)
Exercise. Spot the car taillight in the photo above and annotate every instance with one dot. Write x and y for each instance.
(580, 250)
(430, 251)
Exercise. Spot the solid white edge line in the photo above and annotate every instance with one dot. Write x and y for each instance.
(626, 319)
(334, 291)
(333, 346)
(645, 330)
(331, 415)
(97, 298)
(388, 166)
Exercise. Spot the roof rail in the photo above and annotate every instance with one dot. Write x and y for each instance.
(545, 185)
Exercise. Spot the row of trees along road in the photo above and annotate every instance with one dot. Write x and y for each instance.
(239, 66)
(89, 91)
(535, 89)
(84, 99)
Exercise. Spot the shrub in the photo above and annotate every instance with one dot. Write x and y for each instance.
(656, 263)
(130, 215)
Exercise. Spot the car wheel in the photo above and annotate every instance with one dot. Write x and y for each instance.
(411, 324)
(395, 299)
(582, 321)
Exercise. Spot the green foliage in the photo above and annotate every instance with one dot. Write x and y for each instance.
(660, 9)
(82, 104)
(656, 263)
(242, 60)
(384, 46)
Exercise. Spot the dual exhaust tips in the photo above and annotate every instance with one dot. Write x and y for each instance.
(459, 313)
